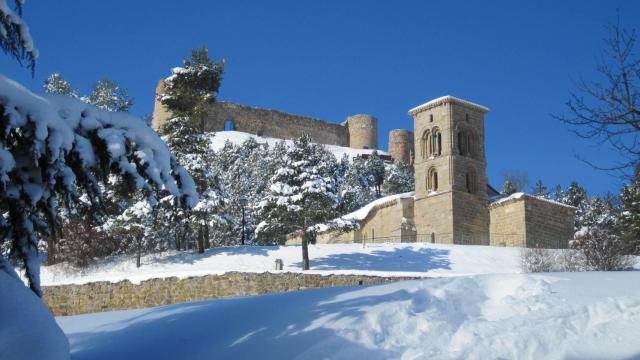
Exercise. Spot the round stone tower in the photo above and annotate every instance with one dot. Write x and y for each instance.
(363, 131)
(160, 113)
(401, 145)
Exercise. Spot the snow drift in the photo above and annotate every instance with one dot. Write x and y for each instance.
(514, 316)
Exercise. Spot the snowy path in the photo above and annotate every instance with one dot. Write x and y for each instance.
(374, 259)
(508, 316)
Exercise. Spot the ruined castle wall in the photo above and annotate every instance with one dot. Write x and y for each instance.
(276, 124)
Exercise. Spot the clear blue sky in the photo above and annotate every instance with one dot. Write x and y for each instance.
(332, 59)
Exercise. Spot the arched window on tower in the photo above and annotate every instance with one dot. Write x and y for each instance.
(461, 142)
(432, 180)
(471, 144)
(228, 125)
(471, 181)
(436, 142)
(426, 144)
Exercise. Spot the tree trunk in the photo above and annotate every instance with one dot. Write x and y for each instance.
(305, 252)
(178, 247)
(207, 243)
(200, 239)
(139, 253)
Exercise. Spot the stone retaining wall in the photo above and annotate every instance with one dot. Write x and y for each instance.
(107, 296)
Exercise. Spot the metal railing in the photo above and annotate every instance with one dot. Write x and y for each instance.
(497, 239)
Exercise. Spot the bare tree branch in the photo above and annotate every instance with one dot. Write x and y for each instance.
(608, 111)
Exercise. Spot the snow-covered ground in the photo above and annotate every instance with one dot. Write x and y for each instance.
(374, 259)
(237, 137)
(505, 316)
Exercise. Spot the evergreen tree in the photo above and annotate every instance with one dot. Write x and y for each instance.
(107, 95)
(508, 188)
(357, 187)
(539, 189)
(377, 171)
(630, 213)
(190, 90)
(39, 173)
(56, 84)
(400, 179)
(302, 194)
(575, 195)
(134, 228)
(188, 94)
(15, 38)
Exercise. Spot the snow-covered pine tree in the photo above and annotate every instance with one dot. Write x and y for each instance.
(377, 171)
(630, 213)
(107, 95)
(575, 195)
(190, 90)
(134, 228)
(539, 189)
(46, 157)
(357, 188)
(188, 94)
(56, 84)
(15, 38)
(400, 179)
(302, 194)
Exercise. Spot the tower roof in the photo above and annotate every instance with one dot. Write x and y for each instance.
(443, 100)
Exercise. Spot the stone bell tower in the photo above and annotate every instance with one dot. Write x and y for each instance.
(450, 172)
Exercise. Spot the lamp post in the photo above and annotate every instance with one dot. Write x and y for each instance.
(243, 203)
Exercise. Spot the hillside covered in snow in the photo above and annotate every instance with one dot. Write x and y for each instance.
(217, 140)
(508, 316)
(427, 260)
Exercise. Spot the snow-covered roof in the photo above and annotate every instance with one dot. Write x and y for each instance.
(363, 212)
(442, 100)
(520, 195)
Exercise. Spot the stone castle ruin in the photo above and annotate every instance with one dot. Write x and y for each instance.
(357, 131)
(452, 202)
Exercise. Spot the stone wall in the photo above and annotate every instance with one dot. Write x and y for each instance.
(363, 131)
(507, 224)
(548, 225)
(401, 145)
(391, 221)
(106, 296)
(358, 131)
(527, 221)
(275, 124)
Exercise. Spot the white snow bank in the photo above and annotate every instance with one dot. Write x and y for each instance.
(27, 329)
(363, 212)
(551, 316)
(237, 137)
(375, 259)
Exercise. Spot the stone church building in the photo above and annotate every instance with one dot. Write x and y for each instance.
(452, 202)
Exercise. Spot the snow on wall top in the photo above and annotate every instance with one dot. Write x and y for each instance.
(520, 195)
(363, 212)
(442, 100)
(218, 139)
